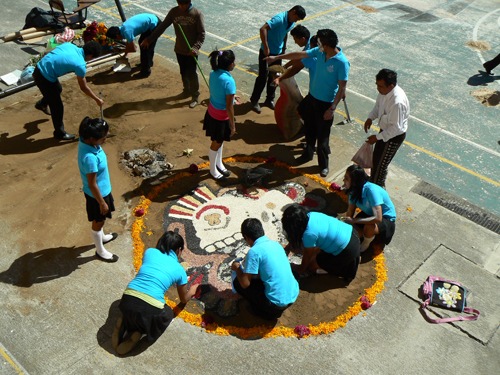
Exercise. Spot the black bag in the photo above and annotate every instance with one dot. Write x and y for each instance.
(256, 176)
(40, 18)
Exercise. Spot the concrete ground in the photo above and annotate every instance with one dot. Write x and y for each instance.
(68, 330)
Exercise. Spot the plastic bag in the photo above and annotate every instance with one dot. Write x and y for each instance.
(364, 156)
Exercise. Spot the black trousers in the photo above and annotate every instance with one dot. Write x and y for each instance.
(492, 64)
(263, 78)
(147, 54)
(187, 66)
(51, 92)
(382, 156)
(311, 110)
(257, 298)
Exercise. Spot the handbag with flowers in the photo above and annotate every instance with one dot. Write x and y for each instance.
(446, 294)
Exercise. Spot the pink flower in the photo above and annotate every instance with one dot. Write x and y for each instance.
(365, 302)
(335, 187)
(302, 330)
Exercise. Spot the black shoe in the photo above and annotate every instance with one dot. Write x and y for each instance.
(488, 71)
(302, 160)
(324, 172)
(269, 104)
(65, 137)
(256, 107)
(41, 107)
(225, 173)
(114, 237)
(144, 74)
(113, 259)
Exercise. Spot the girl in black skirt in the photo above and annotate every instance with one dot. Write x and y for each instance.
(219, 118)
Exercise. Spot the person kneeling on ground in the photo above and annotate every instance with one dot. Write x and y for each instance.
(143, 307)
(377, 216)
(328, 244)
(266, 278)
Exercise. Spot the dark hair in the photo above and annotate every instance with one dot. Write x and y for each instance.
(299, 11)
(92, 48)
(183, 1)
(93, 128)
(313, 42)
(170, 241)
(300, 31)
(358, 180)
(328, 37)
(221, 59)
(294, 221)
(252, 228)
(113, 32)
(390, 77)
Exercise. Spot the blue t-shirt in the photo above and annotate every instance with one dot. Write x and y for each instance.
(158, 272)
(278, 28)
(137, 25)
(326, 232)
(92, 159)
(268, 259)
(221, 84)
(310, 64)
(328, 73)
(63, 59)
(373, 195)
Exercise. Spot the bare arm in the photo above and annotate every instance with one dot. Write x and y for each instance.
(243, 278)
(92, 180)
(288, 56)
(308, 256)
(186, 294)
(375, 219)
(340, 94)
(82, 82)
(295, 67)
(230, 112)
(263, 38)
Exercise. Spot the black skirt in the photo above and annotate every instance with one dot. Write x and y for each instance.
(344, 264)
(218, 130)
(138, 315)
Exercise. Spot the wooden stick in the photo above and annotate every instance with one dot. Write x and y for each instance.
(21, 33)
(37, 35)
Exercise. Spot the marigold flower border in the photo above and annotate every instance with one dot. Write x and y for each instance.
(259, 331)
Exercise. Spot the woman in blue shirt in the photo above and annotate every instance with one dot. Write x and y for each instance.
(377, 216)
(143, 307)
(327, 244)
(219, 118)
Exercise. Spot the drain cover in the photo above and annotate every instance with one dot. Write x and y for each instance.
(458, 205)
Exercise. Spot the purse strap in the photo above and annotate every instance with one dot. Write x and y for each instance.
(468, 310)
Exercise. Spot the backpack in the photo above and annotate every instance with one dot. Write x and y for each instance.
(39, 18)
(257, 175)
(446, 294)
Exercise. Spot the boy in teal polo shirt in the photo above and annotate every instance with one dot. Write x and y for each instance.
(273, 36)
(63, 59)
(266, 279)
(141, 24)
(326, 90)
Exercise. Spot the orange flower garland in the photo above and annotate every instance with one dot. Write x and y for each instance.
(258, 331)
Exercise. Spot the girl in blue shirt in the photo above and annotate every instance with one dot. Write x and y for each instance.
(143, 307)
(327, 244)
(377, 216)
(93, 166)
(219, 118)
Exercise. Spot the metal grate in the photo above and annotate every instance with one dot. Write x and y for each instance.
(458, 205)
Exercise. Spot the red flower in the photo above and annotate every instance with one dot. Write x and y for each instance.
(193, 168)
(139, 212)
(335, 187)
(302, 330)
(271, 160)
(365, 302)
(206, 320)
